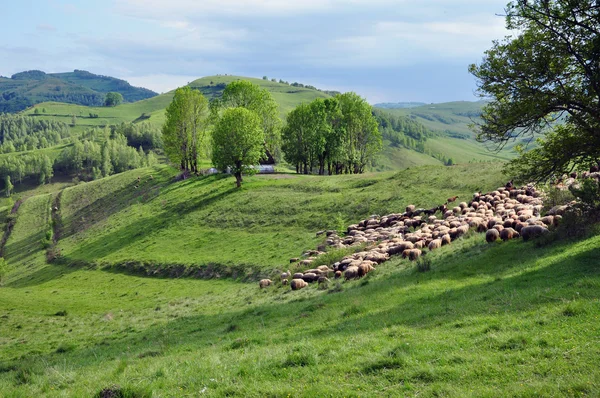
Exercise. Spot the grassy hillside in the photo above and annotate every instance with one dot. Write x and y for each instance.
(206, 222)
(25, 89)
(509, 319)
(153, 109)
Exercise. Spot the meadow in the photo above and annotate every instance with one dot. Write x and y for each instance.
(508, 319)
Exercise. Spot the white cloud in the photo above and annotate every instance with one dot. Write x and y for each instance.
(393, 43)
(160, 9)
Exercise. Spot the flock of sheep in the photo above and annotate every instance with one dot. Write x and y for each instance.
(506, 213)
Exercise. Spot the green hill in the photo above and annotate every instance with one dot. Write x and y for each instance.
(25, 89)
(457, 145)
(508, 319)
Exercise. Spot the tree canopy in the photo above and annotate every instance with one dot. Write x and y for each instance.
(340, 134)
(546, 74)
(185, 128)
(113, 99)
(238, 142)
(245, 94)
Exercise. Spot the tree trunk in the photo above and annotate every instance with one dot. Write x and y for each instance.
(238, 179)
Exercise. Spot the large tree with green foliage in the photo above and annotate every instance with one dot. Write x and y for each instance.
(311, 137)
(238, 142)
(113, 99)
(185, 128)
(362, 136)
(547, 71)
(242, 93)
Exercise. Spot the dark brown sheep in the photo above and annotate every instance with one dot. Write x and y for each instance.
(492, 235)
(310, 277)
(508, 234)
(338, 274)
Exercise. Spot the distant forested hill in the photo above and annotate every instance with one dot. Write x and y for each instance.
(25, 89)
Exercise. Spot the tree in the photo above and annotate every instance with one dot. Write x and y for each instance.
(547, 73)
(247, 95)
(312, 136)
(362, 135)
(8, 185)
(113, 99)
(238, 142)
(185, 129)
(3, 269)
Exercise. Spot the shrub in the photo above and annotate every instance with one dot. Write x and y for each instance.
(423, 264)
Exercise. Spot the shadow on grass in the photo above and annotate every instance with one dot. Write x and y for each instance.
(513, 292)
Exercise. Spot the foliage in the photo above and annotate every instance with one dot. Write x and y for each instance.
(238, 142)
(3, 269)
(113, 99)
(548, 70)
(24, 133)
(32, 165)
(143, 134)
(185, 128)
(339, 134)
(245, 94)
(89, 160)
(587, 190)
(362, 137)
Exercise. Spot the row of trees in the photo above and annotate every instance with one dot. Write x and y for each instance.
(89, 159)
(15, 169)
(339, 135)
(244, 124)
(25, 133)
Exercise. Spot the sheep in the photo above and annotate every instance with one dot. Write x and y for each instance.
(446, 239)
(412, 254)
(294, 260)
(492, 235)
(351, 272)
(285, 282)
(298, 284)
(410, 209)
(364, 268)
(508, 234)
(297, 275)
(310, 277)
(286, 275)
(533, 231)
(338, 274)
(435, 244)
(463, 205)
(419, 244)
(264, 283)
(399, 248)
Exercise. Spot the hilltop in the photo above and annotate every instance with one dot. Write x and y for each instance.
(25, 89)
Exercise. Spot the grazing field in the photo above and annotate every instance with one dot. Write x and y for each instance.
(509, 319)
(206, 222)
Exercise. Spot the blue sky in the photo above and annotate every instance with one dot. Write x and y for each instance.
(385, 50)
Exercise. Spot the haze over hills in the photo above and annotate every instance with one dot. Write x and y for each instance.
(25, 89)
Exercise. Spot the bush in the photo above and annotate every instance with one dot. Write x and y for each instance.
(423, 264)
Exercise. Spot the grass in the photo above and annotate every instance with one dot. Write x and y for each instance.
(505, 319)
(205, 223)
(486, 320)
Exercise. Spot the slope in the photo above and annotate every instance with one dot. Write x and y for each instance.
(502, 320)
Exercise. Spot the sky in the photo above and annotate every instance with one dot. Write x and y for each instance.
(384, 50)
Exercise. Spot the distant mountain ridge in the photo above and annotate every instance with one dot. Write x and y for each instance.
(81, 87)
(399, 105)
